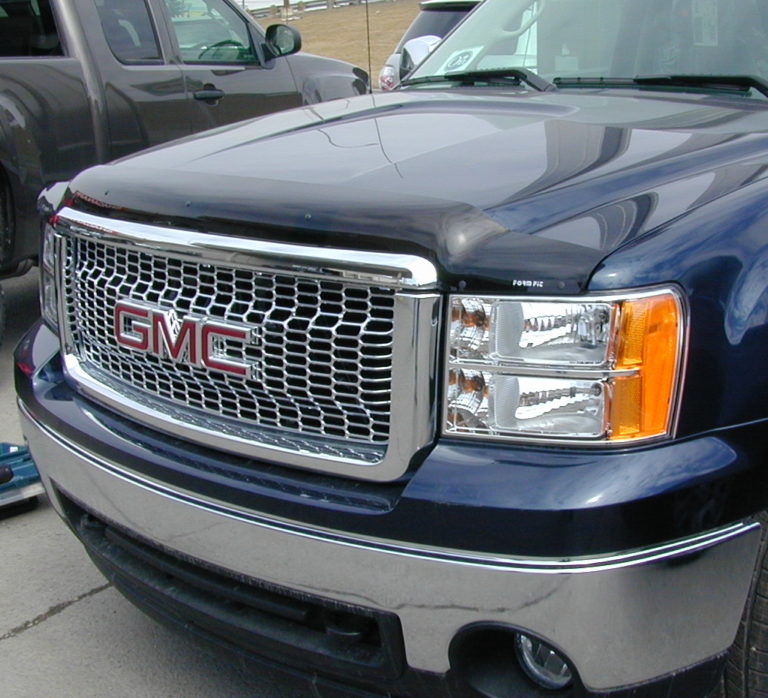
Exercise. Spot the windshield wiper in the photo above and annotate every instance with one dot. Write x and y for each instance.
(720, 82)
(745, 82)
(472, 77)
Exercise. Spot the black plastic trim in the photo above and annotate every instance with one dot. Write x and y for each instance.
(319, 634)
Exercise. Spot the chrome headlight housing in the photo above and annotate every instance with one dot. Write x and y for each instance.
(49, 303)
(592, 369)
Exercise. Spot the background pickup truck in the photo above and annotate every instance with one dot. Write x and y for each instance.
(87, 81)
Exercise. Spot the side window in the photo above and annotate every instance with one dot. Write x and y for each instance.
(27, 28)
(128, 29)
(210, 31)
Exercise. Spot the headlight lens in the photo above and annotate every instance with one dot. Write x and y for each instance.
(602, 369)
(48, 296)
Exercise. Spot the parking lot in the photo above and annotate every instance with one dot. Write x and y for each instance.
(64, 631)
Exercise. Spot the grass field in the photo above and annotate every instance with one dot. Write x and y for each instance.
(341, 32)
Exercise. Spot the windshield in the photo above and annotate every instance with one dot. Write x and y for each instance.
(435, 22)
(561, 39)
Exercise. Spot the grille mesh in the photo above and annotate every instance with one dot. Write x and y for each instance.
(321, 354)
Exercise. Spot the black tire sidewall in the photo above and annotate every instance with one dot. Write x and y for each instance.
(2, 315)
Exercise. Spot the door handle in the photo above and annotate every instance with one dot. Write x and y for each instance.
(209, 93)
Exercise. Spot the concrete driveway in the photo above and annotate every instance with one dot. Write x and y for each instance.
(63, 630)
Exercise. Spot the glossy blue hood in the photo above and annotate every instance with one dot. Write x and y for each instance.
(496, 187)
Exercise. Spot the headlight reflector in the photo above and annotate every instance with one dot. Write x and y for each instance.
(602, 369)
(552, 333)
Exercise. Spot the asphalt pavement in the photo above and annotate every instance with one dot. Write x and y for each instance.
(64, 631)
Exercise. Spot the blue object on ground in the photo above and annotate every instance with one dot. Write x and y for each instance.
(24, 482)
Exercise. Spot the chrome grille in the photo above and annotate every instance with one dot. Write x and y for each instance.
(313, 357)
(321, 356)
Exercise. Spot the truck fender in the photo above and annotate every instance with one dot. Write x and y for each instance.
(21, 164)
(718, 254)
(20, 138)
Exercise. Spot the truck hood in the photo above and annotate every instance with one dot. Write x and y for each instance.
(529, 191)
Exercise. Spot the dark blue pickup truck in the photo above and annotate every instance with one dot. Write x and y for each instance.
(456, 390)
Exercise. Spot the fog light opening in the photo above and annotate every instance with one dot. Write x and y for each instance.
(499, 661)
(542, 663)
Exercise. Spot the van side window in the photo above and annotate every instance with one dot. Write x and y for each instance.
(129, 31)
(210, 31)
(27, 28)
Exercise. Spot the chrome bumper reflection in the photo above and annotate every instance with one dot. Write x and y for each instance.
(622, 619)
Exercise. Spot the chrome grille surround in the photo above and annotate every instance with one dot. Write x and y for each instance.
(341, 351)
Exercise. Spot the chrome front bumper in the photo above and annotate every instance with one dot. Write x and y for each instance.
(622, 619)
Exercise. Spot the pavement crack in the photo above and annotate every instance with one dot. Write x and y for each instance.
(52, 611)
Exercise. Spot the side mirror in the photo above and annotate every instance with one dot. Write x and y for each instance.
(282, 40)
(415, 51)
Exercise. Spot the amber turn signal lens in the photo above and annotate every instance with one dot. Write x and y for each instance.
(649, 346)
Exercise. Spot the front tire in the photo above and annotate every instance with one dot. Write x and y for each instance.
(746, 670)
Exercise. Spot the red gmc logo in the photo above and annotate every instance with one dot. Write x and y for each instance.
(192, 340)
